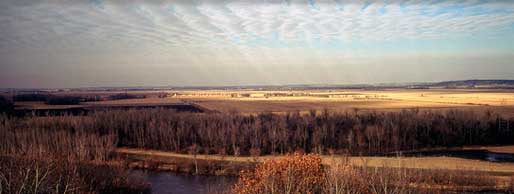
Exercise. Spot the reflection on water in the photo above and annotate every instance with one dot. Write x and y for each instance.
(499, 157)
(172, 183)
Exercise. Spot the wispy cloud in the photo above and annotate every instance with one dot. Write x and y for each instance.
(218, 23)
(256, 34)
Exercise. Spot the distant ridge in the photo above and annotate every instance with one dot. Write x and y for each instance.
(457, 84)
(475, 83)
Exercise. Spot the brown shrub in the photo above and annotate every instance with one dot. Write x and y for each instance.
(342, 178)
(21, 175)
(511, 189)
(304, 174)
(293, 174)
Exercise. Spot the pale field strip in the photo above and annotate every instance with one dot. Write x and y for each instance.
(444, 163)
(361, 99)
(333, 100)
(339, 106)
(486, 97)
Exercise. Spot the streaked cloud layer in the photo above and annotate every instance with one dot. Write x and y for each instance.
(87, 43)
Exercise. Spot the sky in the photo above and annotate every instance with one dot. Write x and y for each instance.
(79, 43)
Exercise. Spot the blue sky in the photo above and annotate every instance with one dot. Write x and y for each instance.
(63, 43)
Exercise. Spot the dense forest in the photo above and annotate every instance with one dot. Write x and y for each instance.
(93, 137)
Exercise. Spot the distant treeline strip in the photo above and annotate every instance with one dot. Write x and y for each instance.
(95, 135)
(52, 99)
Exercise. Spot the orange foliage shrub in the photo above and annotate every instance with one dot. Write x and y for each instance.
(512, 184)
(293, 174)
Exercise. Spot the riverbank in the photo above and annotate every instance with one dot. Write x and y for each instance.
(439, 162)
(486, 176)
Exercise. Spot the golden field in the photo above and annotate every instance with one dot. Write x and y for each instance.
(349, 100)
(255, 101)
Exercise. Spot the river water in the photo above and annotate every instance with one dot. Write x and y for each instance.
(173, 183)
(469, 154)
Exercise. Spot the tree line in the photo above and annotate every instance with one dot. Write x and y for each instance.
(367, 133)
(52, 99)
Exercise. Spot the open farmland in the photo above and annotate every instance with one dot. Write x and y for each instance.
(280, 101)
(347, 100)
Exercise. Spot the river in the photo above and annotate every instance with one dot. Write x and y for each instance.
(173, 183)
(483, 155)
